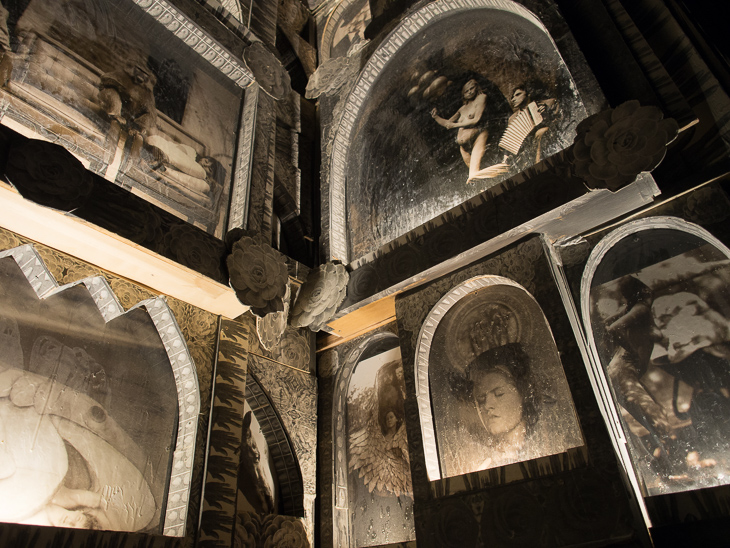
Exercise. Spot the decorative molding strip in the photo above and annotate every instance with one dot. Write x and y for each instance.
(186, 378)
(238, 217)
(355, 101)
(195, 37)
(188, 395)
(217, 518)
(423, 352)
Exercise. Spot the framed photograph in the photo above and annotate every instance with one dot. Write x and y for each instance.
(135, 103)
(488, 348)
(98, 406)
(655, 298)
(379, 468)
(459, 98)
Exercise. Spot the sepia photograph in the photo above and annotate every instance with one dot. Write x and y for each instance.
(380, 489)
(257, 490)
(660, 317)
(88, 411)
(350, 28)
(498, 389)
(109, 83)
(452, 115)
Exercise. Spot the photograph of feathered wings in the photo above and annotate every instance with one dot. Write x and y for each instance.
(381, 460)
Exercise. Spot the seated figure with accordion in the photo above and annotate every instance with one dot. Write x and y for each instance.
(529, 124)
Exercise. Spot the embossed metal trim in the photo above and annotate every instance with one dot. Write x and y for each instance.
(186, 378)
(199, 40)
(355, 101)
(188, 397)
(423, 351)
(233, 7)
(238, 217)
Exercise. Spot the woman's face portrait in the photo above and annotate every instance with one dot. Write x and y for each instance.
(469, 91)
(390, 420)
(498, 401)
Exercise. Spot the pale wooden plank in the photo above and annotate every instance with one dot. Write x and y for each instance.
(359, 322)
(114, 254)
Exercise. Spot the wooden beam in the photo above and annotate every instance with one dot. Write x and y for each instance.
(358, 322)
(110, 252)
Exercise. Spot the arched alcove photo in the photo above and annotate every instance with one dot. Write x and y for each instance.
(372, 466)
(99, 406)
(655, 298)
(269, 479)
(489, 381)
(461, 96)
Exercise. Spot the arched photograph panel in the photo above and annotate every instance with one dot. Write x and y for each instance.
(497, 387)
(344, 28)
(379, 471)
(257, 489)
(461, 96)
(98, 406)
(269, 475)
(656, 302)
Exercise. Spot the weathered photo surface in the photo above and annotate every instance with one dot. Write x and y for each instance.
(380, 489)
(88, 411)
(467, 102)
(134, 103)
(257, 490)
(350, 29)
(498, 389)
(660, 309)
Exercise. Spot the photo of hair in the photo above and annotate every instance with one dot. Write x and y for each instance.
(257, 490)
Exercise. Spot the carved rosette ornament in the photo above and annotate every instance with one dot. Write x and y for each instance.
(271, 327)
(49, 175)
(259, 275)
(320, 296)
(334, 73)
(612, 147)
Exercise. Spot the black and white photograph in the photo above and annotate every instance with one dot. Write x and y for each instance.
(257, 490)
(660, 309)
(88, 411)
(350, 28)
(119, 91)
(380, 488)
(454, 113)
(498, 389)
